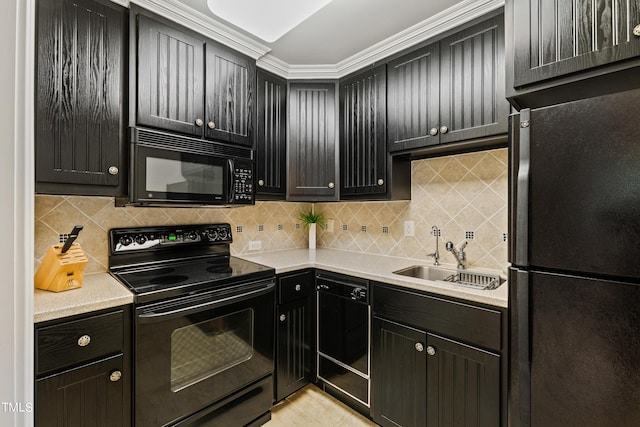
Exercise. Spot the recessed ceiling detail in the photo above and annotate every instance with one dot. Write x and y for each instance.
(268, 20)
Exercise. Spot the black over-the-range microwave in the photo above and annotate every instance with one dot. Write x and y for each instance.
(169, 169)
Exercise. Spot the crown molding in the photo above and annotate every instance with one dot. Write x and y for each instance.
(208, 26)
(447, 20)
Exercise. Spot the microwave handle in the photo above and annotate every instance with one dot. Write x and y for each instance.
(232, 191)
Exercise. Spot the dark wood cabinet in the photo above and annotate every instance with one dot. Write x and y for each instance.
(295, 339)
(552, 39)
(312, 142)
(79, 99)
(83, 370)
(363, 145)
(271, 136)
(398, 374)
(436, 362)
(230, 96)
(188, 84)
(170, 81)
(450, 91)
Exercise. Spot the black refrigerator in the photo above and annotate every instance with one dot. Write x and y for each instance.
(574, 284)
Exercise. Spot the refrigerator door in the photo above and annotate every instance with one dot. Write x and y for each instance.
(582, 354)
(576, 183)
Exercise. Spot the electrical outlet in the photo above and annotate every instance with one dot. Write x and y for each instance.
(255, 245)
(409, 229)
(329, 228)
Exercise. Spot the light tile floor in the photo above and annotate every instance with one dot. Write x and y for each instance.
(310, 406)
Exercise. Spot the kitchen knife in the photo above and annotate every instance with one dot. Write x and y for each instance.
(72, 237)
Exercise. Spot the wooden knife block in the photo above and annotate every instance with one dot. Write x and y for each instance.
(61, 272)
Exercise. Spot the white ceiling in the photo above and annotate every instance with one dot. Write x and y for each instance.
(342, 28)
(342, 37)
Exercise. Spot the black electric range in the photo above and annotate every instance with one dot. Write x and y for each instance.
(157, 263)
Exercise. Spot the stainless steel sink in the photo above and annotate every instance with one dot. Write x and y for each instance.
(470, 279)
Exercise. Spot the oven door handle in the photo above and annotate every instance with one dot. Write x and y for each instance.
(214, 302)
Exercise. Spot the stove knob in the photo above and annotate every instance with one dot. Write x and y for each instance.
(125, 240)
(211, 235)
(223, 234)
(192, 235)
(141, 239)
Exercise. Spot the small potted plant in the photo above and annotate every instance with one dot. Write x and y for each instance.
(311, 220)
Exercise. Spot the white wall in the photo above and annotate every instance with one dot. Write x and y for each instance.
(16, 213)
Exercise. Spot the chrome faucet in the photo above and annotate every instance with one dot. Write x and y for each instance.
(458, 254)
(436, 255)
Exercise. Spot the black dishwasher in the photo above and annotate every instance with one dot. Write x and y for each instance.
(343, 335)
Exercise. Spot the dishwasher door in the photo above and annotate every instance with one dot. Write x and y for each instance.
(343, 336)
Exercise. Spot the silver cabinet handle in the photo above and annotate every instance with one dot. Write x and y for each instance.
(283, 317)
(431, 351)
(419, 346)
(199, 122)
(381, 181)
(433, 131)
(261, 182)
(115, 376)
(211, 125)
(298, 287)
(113, 170)
(331, 185)
(84, 340)
(444, 129)
(636, 30)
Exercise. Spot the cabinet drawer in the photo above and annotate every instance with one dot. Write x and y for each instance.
(76, 341)
(464, 322)
(296, 286)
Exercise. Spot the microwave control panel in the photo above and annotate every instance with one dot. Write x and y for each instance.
(243, 182)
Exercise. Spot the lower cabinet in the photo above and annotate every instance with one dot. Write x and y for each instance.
(295, 336)
(83, 370)
(422, 374)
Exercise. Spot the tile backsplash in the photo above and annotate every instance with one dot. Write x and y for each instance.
(464, 195)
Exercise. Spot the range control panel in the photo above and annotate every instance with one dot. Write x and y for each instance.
(145, 238)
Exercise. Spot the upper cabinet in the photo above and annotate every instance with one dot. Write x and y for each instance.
(449, 91)
(271, 136)
(560, 51)
(556, 38)
(312, 142)
(189, 84)
(366, 169)
(79, 97)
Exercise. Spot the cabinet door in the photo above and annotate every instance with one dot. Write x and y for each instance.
(170, 78)
(294, 341)
(230, 95)
(463, 385)
(271, 154)
(363, 153)
(398, 374)
(555, 38)
(312, 142)
(79, 129)
(414, 99)
(92, 393)
(472, 96)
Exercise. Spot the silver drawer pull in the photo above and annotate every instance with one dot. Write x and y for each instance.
(113, 170)
(283, 317)
(298, 287)
(431, 351)
(636, 30)
(115, 376)
(261, 182)
(381, 181)
(84, 340)
(331, 185)
(444, 129)
(199, 122)
(419, 346)
(433, 131)
(211, 125)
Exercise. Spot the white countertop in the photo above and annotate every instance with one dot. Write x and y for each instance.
(375, 267)
(98, 291)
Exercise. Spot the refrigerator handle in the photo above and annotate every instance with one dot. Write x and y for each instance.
(519, 197)
(520, 349)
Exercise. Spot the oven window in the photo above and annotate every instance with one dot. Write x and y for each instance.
(204, 349)
(177, 176)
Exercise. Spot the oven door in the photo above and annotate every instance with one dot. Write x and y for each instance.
(193, 351)
(171, 176)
